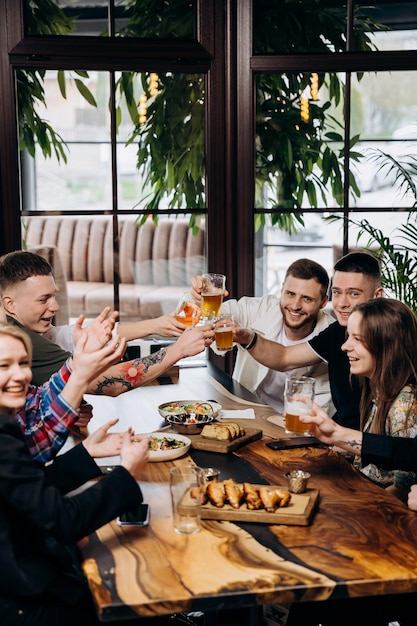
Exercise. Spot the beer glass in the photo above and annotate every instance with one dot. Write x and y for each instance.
(212, 290)
(293, 408)
(223, 333)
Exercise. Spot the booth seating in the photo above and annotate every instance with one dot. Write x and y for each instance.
(156, 263)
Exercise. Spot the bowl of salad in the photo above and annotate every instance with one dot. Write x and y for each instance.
(166, 447)
(190, 407)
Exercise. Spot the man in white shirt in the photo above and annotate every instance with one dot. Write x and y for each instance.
(295, 317)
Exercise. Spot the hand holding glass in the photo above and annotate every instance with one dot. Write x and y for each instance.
(212, 290)
(293, 408)
(223, 333)
(187, 312)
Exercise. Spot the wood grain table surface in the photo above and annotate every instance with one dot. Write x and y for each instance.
(361, 541)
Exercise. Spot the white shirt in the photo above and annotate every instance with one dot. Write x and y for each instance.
(264, 316)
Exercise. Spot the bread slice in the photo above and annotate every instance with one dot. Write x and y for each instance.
(217, 431)
(224, 431)
(235, 428)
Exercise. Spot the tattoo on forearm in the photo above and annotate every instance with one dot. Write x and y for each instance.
(147, 361)
(353, 443)
(132, 372)
(108, 382)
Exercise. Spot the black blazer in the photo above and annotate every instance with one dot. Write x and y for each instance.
(39, 525)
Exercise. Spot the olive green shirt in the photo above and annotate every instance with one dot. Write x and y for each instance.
(47, 356)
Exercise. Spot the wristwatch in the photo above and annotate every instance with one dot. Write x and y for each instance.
(252, 342)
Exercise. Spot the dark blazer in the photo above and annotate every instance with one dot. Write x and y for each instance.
(389, 452)
(39, 525)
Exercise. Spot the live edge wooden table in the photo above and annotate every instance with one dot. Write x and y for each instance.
(361, 540)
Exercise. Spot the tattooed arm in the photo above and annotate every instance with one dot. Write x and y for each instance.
(328, 431)
(137, 372)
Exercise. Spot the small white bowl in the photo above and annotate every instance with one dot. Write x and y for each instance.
(170, 453)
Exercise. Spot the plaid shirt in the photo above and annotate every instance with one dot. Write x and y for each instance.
(47, 418)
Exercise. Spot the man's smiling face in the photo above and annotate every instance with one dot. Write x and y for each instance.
(301, 301)
(32, 302)
(348, 289)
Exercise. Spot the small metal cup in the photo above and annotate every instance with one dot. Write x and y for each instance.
(210, 473)
(297, 481)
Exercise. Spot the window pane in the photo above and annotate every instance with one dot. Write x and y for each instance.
(132, 18)
(156, 160)
(290, 27)
(160, 157)
(277, 249)
(388, 138)
(155, 262)
(394, 21)
(299, 136)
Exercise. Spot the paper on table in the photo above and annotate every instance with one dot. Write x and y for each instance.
(241, 414)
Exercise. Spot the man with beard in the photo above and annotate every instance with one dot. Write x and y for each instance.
(356, 278)
(296, 317)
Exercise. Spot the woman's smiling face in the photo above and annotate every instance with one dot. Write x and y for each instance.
(361, 361)
(15, 374)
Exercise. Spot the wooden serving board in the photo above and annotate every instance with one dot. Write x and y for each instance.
(215, 445)
(299, 512)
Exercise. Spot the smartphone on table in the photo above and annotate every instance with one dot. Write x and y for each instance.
(136, 516)
(294, 442)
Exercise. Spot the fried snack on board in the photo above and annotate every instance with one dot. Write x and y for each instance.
(270, 498)
(234, 492)
(252, 499)
(285, 497)
(216, 493)
(203, 490)
(256, 497)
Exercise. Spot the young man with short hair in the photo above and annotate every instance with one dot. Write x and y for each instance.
(356, 279)
(28, 294)
(296, 316)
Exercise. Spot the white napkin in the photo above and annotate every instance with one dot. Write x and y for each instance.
(240, 414)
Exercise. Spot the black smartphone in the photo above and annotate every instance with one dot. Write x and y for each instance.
(137, 516)
(294, 442)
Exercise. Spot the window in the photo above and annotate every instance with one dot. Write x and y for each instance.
(362, 59)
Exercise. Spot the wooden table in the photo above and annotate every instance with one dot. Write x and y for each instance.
(362, 541)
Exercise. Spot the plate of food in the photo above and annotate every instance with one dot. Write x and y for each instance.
(164, 447)
(185, 407)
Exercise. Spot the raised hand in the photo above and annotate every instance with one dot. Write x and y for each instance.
(99, 332)
(87, 364)
(101, 443)
(195, 340)
(134, 454)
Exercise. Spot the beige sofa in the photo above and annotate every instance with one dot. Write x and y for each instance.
(156, 262)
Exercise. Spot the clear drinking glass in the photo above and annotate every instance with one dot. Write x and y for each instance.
(293, 407)
(187, 310)
(212, 291)
(223, 333)
(186, 483)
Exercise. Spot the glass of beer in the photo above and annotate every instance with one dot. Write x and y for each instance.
(223, 333)
(212, 290)
(187, 311)
(293, 407)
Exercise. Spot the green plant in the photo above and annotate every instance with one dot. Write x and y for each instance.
(397, 252)
(297, 156)
(294, 158)
(44, 17)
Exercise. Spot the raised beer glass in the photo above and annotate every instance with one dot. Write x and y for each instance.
(293, 407)
(212, 290)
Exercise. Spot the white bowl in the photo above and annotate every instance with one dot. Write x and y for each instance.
(170, 453)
